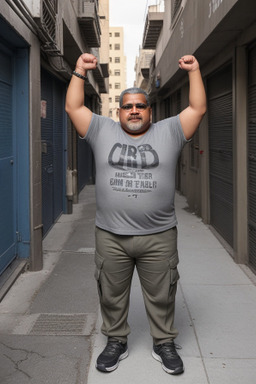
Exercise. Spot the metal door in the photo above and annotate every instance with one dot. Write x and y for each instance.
(219, 89)
(52, 135)
(7, 164)
(252, 156)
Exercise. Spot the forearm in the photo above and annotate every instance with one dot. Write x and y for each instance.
(77, 111)
(191, 116)
(75, 95)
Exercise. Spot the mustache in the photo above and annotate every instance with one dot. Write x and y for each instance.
(137, 116)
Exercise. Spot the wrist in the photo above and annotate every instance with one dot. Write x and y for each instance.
(193, 70)
(79, 74)
(80, 70)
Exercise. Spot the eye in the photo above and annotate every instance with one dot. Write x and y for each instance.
(126, 107)
(141, 106)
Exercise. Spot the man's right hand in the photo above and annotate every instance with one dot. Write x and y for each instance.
(86, 62)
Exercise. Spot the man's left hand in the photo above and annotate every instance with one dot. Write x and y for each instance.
(188, 63)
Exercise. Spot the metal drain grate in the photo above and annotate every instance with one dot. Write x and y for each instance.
(60, 325)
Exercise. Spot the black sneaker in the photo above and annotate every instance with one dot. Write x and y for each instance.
(166, 353)
(109, 358)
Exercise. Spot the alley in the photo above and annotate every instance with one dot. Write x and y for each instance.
(50, 322)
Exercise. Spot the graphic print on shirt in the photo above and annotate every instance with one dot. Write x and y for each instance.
(131, 167)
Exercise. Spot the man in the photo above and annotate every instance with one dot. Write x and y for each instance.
(135, 217)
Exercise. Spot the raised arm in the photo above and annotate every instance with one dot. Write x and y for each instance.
(78, 113)
(191, 116)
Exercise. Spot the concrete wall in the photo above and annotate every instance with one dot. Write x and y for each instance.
(216, 32)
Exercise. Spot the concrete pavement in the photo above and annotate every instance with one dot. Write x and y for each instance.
(49, 320)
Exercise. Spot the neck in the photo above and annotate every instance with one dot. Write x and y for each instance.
(134, 135)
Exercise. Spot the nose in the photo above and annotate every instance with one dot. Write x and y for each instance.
(134, 109)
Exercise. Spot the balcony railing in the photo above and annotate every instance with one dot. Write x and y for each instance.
(88, 20)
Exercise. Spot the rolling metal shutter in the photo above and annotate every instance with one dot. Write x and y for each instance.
(252, 157)
(7, 164)
(52, 135)
(219, 89)
(85, 165)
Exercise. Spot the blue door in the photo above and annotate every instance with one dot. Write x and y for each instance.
(7, 163)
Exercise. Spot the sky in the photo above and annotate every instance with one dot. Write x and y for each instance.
(131, 15)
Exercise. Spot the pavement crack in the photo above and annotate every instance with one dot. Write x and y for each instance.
(195, 333)
(17, 362)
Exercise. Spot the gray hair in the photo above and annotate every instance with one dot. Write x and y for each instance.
(133, 91)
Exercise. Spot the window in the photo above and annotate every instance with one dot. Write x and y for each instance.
(117, 85)
(117, 59)
(110, 99)
(110, 59)
(110, 86)
(117, 72)
(110, 113)
(117, 34)
(117, 99)
(110, 34)
(117, 47)
(110, 46)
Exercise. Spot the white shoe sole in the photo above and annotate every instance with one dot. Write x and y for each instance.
(170, 371)
(110, 369)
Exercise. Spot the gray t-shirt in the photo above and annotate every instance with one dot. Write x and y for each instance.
(135, 177)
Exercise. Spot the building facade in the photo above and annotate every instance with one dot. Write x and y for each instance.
(104, 49)
(117, 70)
(141, 68)
(42, 162)
(217, 169)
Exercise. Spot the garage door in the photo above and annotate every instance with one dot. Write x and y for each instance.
(219, 89)
(252, 157)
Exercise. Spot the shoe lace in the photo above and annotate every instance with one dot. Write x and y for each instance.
(170, 349)
(112, 348)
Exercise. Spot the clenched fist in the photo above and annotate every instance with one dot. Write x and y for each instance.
(188, 63)
(86, 62)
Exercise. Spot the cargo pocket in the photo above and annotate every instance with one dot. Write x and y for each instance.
(174, 275)
(98, 269)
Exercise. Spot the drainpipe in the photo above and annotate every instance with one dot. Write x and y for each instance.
(69, 191)
(75, 194)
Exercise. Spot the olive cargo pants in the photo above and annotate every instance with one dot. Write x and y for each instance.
(155, 257)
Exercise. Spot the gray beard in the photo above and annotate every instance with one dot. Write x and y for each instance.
(134, 126)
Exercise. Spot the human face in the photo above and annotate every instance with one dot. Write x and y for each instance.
(135, 121)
